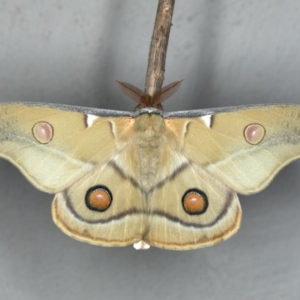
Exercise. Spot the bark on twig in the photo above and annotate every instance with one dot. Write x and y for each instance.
(159, 45)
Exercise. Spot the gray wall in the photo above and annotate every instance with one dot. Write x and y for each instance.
(229, 52)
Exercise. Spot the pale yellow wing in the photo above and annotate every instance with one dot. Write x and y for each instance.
(80, 156)
(54, 146)
(229, 146)
(119, 220)
(212, 154)
(215, 217)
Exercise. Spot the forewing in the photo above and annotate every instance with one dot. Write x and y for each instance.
(217, 140)
(71, 144)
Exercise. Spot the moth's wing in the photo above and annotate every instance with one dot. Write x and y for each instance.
(210, 151)
(216, 140)
(124, 222)
(172, 227)
(77, 150)
(79, 139)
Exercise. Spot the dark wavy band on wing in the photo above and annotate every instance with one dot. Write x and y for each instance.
(229, 201)
(132, 211)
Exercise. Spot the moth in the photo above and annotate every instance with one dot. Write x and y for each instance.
(149, 177)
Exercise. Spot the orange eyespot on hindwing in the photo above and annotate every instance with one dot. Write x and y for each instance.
(98, 198)
(194, 202)
(42, 132)
(254, 133)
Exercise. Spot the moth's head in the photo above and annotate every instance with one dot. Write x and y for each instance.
(146, 100)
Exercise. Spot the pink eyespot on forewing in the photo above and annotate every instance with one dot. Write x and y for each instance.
(42, 132)
(254, 133)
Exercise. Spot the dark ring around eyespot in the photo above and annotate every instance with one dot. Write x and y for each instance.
(194, 202)
(98, 198)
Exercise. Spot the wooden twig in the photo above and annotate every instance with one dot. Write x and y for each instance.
(158, 46)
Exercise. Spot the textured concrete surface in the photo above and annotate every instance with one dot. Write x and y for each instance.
(229, 53)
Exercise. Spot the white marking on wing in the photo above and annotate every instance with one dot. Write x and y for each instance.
(207, 120)
(90, 119)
